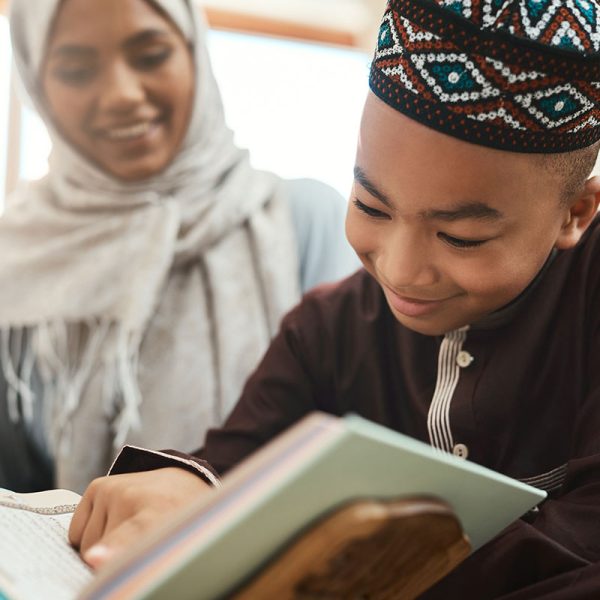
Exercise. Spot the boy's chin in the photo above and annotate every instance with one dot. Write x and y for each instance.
(428, 326)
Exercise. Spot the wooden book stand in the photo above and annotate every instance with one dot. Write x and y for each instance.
(375, 550)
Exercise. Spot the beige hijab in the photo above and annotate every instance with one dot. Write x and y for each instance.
(142, 306)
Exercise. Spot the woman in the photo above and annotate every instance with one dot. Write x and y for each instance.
(142, 279)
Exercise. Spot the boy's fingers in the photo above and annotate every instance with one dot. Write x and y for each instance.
(79, 521)
(97, 556)
(94, 528)
(115, 541)
(116, 510)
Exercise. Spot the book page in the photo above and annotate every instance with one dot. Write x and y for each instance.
(36, 559)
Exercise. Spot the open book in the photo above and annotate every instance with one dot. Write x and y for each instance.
(319, 464)
(36, 560)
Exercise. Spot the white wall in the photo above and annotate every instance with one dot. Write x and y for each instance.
(5, 57)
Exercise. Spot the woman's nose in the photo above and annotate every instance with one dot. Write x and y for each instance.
(122, 89)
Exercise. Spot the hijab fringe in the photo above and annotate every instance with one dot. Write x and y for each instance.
(17, 387)
(127, 366)
(64, 382)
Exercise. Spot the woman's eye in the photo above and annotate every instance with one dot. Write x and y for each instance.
(74, 76)
(152, 59)
(368, 210)
(460, 242)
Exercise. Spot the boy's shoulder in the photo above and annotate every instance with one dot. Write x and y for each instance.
(345, 317)
(359, 295)
(335, 310)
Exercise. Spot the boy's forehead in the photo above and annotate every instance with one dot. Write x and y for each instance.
(389, 136)
(520, 76)
(399, 160)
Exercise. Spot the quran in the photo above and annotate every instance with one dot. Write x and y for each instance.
(226, 536)
(36, 560)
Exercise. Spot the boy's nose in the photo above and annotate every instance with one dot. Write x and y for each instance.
(121, 90)
(406, 262)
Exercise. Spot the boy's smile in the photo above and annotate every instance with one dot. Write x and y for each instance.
(452, 231)
(412, 307)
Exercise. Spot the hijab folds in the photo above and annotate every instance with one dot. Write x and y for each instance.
(143, 306)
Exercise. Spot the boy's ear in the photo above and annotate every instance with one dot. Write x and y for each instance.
(581, 212)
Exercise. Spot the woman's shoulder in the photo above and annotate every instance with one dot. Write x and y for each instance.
(317, 212)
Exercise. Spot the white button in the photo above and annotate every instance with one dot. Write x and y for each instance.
(460, 450)
(464, 359)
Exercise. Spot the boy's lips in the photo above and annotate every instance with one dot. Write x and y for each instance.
(412, 307)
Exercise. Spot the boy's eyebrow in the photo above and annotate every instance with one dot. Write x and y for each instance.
(467, 210)
(360, 177)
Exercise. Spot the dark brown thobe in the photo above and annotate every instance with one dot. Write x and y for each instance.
(518, 393)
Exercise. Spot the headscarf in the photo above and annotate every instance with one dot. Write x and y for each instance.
(517, 75)
(86, 260)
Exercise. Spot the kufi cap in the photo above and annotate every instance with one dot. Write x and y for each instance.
(519, 75)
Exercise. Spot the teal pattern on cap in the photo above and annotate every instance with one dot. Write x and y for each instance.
(521, 76)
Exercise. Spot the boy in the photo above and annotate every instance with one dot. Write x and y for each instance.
(475, 324)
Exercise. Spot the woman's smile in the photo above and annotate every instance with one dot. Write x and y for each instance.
(127, 133)
(122, 97)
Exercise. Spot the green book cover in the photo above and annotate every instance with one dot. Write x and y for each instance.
(319, 464)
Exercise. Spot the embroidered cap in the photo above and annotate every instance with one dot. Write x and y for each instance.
(519, 75)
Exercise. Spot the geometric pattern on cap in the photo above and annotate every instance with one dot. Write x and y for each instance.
(568, 24)
(492, 98)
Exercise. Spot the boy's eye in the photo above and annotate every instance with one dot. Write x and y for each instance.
(460, 242)
(368, 210)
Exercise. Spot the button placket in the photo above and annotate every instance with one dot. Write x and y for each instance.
(464, 359)
(460, 450)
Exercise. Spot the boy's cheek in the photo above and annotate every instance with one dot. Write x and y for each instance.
(493, 290)
(361, 240)
(360, 235)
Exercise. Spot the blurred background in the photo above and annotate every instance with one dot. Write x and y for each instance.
(293, 74)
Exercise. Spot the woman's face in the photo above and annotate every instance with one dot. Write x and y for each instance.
(118, 79)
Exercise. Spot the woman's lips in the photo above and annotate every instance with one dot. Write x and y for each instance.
(129, 132)
(132, 142)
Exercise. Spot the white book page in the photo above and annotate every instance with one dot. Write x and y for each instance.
(36, 559)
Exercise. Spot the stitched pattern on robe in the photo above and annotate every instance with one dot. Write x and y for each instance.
(438, 419)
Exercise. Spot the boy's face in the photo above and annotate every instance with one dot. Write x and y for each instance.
(452, 231)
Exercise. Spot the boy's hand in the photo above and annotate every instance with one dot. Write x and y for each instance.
(115, 511)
